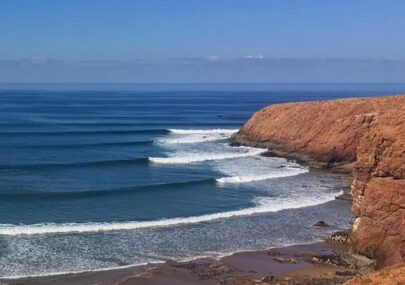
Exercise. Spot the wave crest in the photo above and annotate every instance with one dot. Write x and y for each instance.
(191, 136)
(202, 131)
(263, 205)
(190, 158)
(195, 138)
(252, 178)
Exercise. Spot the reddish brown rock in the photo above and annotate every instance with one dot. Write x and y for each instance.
(379, 192)
(388, 276)
(370, 132)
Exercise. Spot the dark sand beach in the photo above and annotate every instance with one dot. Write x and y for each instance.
(287, 264)
(226, 142)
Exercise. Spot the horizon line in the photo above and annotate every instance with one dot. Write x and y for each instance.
(208, 82)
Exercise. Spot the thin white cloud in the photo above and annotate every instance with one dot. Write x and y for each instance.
(257, 56)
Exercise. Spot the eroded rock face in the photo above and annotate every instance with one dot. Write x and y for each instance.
(369, 131)
(379, 192)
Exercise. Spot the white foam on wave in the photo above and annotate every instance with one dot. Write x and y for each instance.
(263, 205)
(202, 131)
(185, 158)
(193, 138)
(251, 178)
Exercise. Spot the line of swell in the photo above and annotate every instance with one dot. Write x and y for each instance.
(147, 123)
(73, 164)
(97, 193)
(263, 205)
(86, 132)
(80, 145)
(203, 131)
(253, 178)
(184, 159)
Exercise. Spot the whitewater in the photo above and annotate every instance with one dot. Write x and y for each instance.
(187, 136)
(91, 184)
(263, 205)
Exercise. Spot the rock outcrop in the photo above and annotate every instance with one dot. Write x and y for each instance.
(388, 276)
(369, 132)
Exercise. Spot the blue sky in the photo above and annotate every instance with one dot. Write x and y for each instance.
(202, 41)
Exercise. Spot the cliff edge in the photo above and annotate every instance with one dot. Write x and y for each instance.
(369, 132)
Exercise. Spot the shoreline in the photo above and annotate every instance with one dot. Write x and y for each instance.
(293, 262)
(109, 276)
(377, 151)
(365, 135)
(274, 150)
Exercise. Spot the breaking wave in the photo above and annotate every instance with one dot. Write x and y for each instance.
(202, 131)
(189, 136)
(195, 138)
(252, 178)
(190, 158)
(262, 205)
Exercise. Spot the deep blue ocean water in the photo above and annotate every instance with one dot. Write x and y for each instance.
(105, 176)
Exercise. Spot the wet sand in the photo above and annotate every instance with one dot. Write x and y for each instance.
(255, 267)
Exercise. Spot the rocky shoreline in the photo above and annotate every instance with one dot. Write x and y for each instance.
(324, 263)
(327, 262)
(367, 134)
(363, 136)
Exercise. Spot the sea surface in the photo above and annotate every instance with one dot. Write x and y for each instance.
(106, 176)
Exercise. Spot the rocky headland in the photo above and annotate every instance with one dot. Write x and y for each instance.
(366, 134)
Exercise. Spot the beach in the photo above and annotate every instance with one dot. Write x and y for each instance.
(226, 142)
(95, 180)
(254, 267)
(130, 198)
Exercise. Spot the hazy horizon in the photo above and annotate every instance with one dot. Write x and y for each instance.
(202, 42)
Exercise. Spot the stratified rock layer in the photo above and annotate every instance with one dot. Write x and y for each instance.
(370, 132)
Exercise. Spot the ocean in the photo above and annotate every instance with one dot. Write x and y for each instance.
(100, 176)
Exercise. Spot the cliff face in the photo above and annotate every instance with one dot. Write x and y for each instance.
(369, 132)
(379, 191)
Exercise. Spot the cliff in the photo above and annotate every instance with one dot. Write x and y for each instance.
(369, 132)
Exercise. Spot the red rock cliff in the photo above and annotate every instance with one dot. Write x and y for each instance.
(370, 132)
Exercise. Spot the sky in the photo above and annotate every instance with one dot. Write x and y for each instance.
(202, 41)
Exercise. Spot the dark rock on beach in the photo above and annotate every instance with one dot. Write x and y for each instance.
(334, 260)
(344, 196)
(343, 237)
(290, 260)
(320, 224)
